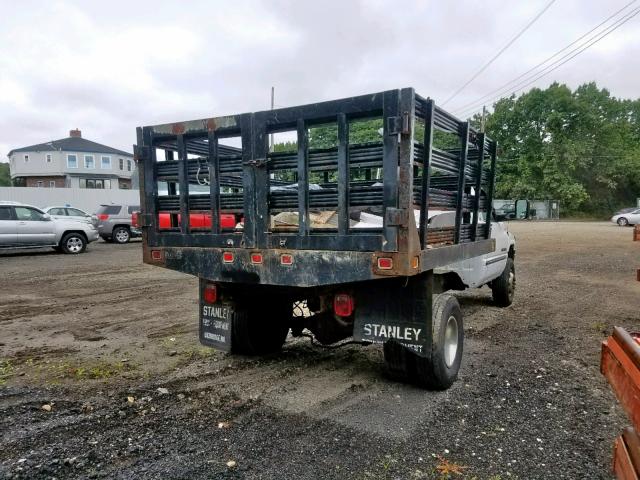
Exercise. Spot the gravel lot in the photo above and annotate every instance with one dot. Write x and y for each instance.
(102, 376)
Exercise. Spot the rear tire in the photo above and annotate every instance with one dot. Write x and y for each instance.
(504, 287)
(73, 243)
(623, 222)
(440, 368)
(257, 331)
(121, 235)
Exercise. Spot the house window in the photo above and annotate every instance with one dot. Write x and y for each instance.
(98, 183)
(40, 184)
(88, 162)
(52, 184)
(72, 161)
(26, 158)
(48, 158)
(128, 165)
(105, 162)
(121, 162)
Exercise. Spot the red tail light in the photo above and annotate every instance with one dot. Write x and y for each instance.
(286, 259)
(227, 257)
(256, 258)
(385, 263)
(343, 305)
(103, 216)
(210, 294)
(134, 219)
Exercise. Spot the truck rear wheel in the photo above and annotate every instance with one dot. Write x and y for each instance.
(260, 329)
(504, 287)
(439, 369)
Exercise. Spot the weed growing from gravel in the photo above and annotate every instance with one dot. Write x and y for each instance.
(6, 371)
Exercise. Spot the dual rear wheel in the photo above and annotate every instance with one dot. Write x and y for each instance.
(438, 367)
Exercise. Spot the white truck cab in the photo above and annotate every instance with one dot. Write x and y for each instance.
(495, 269)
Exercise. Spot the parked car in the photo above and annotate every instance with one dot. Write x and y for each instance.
(70, 212)
(506, 211)
(114, 223)
(624, 218)
(26, 226)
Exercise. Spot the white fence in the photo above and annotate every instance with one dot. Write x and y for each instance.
(85, 199)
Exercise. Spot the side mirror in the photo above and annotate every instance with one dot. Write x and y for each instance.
(47, 217)
(522, 209)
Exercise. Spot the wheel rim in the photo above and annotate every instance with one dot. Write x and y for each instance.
(122, 236)
(74, 244)
(451, 341)
(622, 221)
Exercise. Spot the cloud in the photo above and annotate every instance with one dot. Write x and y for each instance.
(111, 66)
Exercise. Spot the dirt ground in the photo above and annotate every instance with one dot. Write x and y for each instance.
(102, 376)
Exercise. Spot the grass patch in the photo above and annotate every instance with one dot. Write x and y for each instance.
(6, 371)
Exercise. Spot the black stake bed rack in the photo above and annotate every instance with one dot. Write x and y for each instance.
(422, 159)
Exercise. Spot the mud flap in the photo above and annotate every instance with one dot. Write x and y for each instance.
(215, 322)
(396, 310)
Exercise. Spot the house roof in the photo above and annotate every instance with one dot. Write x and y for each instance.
(71, 144)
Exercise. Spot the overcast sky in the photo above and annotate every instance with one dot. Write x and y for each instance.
(107, 67)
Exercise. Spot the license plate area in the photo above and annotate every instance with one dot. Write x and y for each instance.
(215, 325)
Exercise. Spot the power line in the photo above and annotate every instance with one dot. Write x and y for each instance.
(558, 63)
(500, 52)
(464, 107)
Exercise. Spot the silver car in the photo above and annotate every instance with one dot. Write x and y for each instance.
(67, 211)
(25, 226)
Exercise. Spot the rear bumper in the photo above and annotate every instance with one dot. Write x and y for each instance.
(92, 235)
(310, 268)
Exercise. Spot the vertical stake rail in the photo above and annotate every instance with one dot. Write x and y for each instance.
(493, 148)
(148, 182)
(461, 178)
(390, 168)
(214, 181)
(260, 149)
(343, 174)
(303, 178)
(246, 122)
(171, 187)
(408, 239)
(426, 171)
(183, 181)
(478, 185)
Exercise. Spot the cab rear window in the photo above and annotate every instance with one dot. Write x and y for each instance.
(109, 209)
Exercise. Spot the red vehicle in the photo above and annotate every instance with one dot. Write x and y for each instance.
(197, 220)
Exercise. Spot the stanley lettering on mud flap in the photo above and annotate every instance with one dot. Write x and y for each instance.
(215, 326)
(411, 336)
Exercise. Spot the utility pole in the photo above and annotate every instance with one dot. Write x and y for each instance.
(484, 115)
(273, 94)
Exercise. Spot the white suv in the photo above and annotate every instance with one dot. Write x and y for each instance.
(25, 226)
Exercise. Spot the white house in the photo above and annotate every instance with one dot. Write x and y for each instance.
(71, 162)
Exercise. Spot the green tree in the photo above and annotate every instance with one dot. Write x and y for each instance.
(5, 178)
(580, 147)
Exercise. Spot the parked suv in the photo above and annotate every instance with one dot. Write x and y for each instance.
(114, 223)
(25, 226)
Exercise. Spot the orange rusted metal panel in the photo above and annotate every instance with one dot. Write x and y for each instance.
(620, 364)
(636, 233)
(623, 467)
